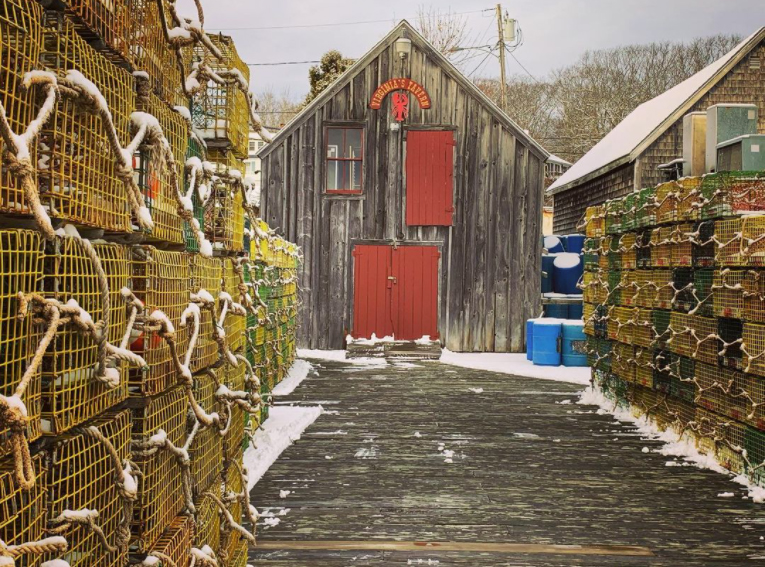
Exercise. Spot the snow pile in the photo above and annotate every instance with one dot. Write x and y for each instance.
(674, 444)
(340, 356)
(517, 365)
(298, 372)
(369, 342)
(284, 426)
(424, 340)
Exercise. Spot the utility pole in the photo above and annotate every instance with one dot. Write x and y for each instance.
(501, 45)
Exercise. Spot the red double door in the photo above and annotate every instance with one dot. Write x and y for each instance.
(395, 291)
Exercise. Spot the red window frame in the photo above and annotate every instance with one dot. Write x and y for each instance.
(328, 160)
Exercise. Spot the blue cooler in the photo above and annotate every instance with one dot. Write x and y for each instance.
(529, 338)
(575, 243)
(567, 271)
(545, 345)
(548, 268)
(573, 345)
(554, 245)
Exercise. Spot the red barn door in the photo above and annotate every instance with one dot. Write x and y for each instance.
(429, 177)
(395, 292)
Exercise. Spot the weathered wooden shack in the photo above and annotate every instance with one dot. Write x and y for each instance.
(416, 201)
(629, 156)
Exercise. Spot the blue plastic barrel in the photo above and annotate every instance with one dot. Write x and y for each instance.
(530, 339)
(575, 243)
(573, 345)
(556, 310)
(575, 311)
(567, 271)
(548, 268)
(553, 244)
(546, 335)
(563, 241)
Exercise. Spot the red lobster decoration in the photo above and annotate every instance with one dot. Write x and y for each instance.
(400, 106)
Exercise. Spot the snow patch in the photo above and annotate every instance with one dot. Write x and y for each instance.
(284, 426)
(476, 390)
(284, 493)
(516, 365)
(297, 373)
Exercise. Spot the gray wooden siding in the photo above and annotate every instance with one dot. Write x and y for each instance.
(489, 280)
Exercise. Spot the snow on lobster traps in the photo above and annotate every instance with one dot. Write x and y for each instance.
(730, 193)
(91, 491)
(22, 511)
(76, 170)
(206, 274)
(224, 212)
(161, 282)
(206, 451)
(159, 435)
(221, 108)
(104, 23)
(20, 45)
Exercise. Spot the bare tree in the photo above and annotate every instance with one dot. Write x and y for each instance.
(445, 30)
(277, 108)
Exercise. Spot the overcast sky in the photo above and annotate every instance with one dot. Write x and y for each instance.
(555, 32)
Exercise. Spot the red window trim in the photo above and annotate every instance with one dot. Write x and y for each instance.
(329, 159)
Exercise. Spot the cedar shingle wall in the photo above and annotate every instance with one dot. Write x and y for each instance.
(741, 85)
(570, 205)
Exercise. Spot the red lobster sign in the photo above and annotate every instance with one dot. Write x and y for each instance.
(400, 100)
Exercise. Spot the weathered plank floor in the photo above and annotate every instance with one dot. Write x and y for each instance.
(528, 468)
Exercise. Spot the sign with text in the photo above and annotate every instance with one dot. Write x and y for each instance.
(391, 85)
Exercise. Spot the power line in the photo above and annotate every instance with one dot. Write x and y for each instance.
(479, 65)
(282, 63)
(522, 67)
(331, 24)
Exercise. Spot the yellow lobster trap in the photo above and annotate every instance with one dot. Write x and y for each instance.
(234, 325)
(161, 280)
(233, 442)
(224, 213)
(694, 336)
(206, 451)
(233, 488)
(154, 180)
(21, 270)
(753, 240)
(81, 476)
(107, 22)
(71, 394)
(76, 165)
(754, 296)
(151, 53)
(753, 336)
(22, 512)
(728, 293)
(221, 112)
(728, 237)
(208, 522)
(160, 492)
(20, 45)
(238, 557)
(206, 274)
(176, 541)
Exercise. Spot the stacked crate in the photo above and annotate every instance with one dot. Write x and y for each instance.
(683, 340)
(90, 417)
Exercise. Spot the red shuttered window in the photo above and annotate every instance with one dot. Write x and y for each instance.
(345, 160)
(429, 177)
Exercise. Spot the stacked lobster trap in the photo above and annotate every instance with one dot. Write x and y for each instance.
(137, 349)
(675, 310)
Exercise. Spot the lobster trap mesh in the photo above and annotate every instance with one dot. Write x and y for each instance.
(82, 475)
(71, 394)
(728, 236)
(667, 197)
(234, 324)
(661, 247)
(20, 44)
(206, 450)
(150, 52)
(22, 512)
(753, 336)
(155, 179)
(704, 246)
(684, 298)
(76, 166)
(160, 493)
(107, 22)
(646, 206)
(732, 192)
(195, 150)
(682, 245)
(21, 270)
(754, 296)
(161, 282)
(175, 542)
(221, 111)
(233, 487)
(614, 210)
(208, 522)
(206, 274)
(703, 280)
(623, 361)
(590, 254)
(728, 296)
(594, 218)
(621, 324)
(753, 239)
(233, 442)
